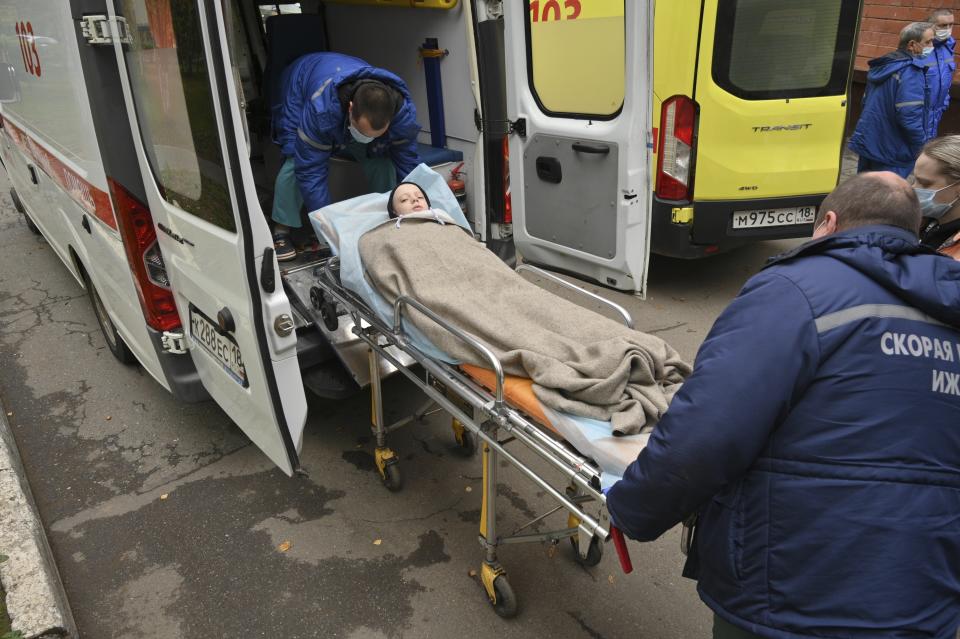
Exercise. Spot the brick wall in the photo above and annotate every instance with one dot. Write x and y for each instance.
(883, 19)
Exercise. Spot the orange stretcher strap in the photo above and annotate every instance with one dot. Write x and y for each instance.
(518, 391)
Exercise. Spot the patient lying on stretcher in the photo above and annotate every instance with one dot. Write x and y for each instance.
(580, 362)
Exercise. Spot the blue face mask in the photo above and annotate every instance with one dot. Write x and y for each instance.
(359, 137)
(931, 209)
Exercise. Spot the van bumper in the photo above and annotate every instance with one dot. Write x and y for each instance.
(711, 230)
(180, 373)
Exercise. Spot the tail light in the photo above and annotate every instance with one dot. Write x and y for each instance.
(507, 202)
(678, 121)
(143, 254)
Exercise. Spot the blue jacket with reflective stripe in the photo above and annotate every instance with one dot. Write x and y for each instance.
(819, 439)
(941, 66)
(895, 122)
(310, 123)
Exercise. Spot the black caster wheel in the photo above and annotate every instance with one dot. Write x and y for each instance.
(506, 605)
(466, 444)
(594, 553)
(392, 478)
(327, 308)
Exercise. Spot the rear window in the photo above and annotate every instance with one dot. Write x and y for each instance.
(576, 58)
(770, 49)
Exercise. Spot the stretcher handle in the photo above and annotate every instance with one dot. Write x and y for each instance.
(479, 346)
(621, 311)
(620, 544)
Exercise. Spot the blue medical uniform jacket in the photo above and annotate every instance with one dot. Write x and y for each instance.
(895, 122)
(941, 65)
(310, 124)
(819, 439)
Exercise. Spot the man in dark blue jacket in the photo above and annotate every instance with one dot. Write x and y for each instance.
(818, 438)
(941, 65)
(335, 103)
(895, 122)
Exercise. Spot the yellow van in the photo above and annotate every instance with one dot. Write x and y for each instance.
(750, 102)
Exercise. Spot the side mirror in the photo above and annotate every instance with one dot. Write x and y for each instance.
(9, 85)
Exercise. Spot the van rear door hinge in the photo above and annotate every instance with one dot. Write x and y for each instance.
(96, 30)
(519, 126)
(173, 343)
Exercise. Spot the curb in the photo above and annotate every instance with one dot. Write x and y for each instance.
(36, 601)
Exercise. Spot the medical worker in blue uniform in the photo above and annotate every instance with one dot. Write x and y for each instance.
(818, 438)
(335, 103)
(941, 65)
(895, 121)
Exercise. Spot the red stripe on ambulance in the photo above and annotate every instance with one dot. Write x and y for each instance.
(92, 199)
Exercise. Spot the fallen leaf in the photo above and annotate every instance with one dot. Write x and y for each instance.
(284, 547)
(472, 573)
(377, 542)
(164, 496)
(610, 578)
(551, 551)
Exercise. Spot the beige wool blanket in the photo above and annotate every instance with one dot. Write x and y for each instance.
(580, 362)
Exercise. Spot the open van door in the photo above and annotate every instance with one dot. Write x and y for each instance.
(578, 101)
(215, 243)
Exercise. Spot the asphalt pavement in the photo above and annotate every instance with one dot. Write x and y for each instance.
(165, 521)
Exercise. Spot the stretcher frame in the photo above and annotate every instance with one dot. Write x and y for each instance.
(479, 413)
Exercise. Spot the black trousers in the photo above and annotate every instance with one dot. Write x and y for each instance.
(724, 630)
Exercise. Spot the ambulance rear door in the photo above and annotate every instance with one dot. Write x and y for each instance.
(578, 101)
(771, 87)
(213, 235)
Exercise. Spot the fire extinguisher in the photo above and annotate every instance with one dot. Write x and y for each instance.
(458, 186)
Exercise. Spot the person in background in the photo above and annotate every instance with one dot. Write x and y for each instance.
(818, 439)
(337, 103)
(895, 122)
(936, 179)
(942, 66)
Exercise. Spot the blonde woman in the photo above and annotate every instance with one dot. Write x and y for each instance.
(937, 183)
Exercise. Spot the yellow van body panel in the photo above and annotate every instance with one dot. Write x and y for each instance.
(757, 149)
(419, 4)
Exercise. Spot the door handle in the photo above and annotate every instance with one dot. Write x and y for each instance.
(268, 277)
(85, 223)
(33, 174)
(596, 149)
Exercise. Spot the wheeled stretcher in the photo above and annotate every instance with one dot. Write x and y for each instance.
(496, 411)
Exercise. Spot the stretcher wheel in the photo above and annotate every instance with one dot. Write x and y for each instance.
(506, 605)
(392, 478)
(594, 552)
(466, 443)
(328, 312)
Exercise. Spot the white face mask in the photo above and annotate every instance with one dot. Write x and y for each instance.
(926, 51)
(359, 137)
(942, 34)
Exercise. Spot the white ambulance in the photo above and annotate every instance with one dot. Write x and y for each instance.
(135, 134)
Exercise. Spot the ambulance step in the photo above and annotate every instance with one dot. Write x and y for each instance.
(329, 381)
(313, 348)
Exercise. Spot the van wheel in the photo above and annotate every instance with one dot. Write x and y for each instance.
(17, 204)
(114, 342)
(30, 225)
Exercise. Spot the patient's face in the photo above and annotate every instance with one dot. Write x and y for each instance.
(409, 199)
